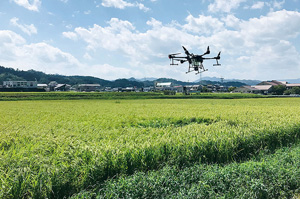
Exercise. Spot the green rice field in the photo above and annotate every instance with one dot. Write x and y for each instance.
(178, 148)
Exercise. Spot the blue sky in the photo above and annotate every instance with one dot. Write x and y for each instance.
(114, 39)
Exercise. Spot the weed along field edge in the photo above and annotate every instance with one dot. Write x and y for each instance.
(17, 96)
(64, 148)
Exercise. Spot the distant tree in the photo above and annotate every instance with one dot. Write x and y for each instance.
(295, 90)
(287, 92)
(9, 77)
(231, 88)
(205, 89)
(279, 89)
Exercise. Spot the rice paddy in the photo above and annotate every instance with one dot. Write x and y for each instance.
(61, 148)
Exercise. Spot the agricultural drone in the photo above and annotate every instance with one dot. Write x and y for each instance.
(195, 61)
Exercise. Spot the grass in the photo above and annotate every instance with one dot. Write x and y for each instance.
(265, 176)
(17, 96)
(54, 149)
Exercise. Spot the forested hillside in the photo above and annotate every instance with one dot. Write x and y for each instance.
(10, 74)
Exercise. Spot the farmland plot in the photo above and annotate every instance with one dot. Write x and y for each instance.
(58, 148)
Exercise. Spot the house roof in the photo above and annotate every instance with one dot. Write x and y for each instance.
(283, 82)
(273, 82)
(42, 85)
(249, 87)
(292, 85)
(164, 84)
(262, 87)
(90, 85)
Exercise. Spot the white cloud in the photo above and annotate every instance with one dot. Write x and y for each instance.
(121, 4)
(265, 43)
(87, 56)
(280, 25)
(8, 37)
(116, 4)
(32, 5)
(15, 52)
(224, 5)
(275, 5)
(154, 23)
(258, 5)
(257, 48)
(28, 29)
(87, 12)
(203, 25)
(248, 49)
(231, 21)
(109, 72)
(70, 35)
(278, 5)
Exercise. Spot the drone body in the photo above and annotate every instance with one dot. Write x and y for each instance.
(195, 61)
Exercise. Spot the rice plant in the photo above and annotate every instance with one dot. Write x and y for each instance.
(54, 149)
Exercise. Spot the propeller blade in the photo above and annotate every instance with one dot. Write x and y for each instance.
(207, 51)
(218, 57)
(173, 55)
(186, 51)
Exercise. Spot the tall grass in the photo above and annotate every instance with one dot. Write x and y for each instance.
(57, 148)
(17, 96)
(266, 176)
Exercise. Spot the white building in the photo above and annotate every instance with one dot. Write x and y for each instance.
(88, 87)
(20, 84)
(163, 86)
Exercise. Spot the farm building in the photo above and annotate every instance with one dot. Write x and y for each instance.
(290, 86)
(62, 87)
(258, 89)
(42, 86)
(163, 86)
(88, 87)
(245, 89)
(263, 89)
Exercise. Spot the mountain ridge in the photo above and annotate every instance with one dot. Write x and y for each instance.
(7, 74)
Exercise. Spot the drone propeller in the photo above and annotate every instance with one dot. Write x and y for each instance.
(207, 51)
(172, 55)
(175, 54)
(186, 51)
(218, 57)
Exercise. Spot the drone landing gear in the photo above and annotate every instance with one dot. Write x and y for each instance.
(201, 71)
(217, 64)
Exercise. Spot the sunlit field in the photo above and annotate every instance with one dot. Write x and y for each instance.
(64, 148)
